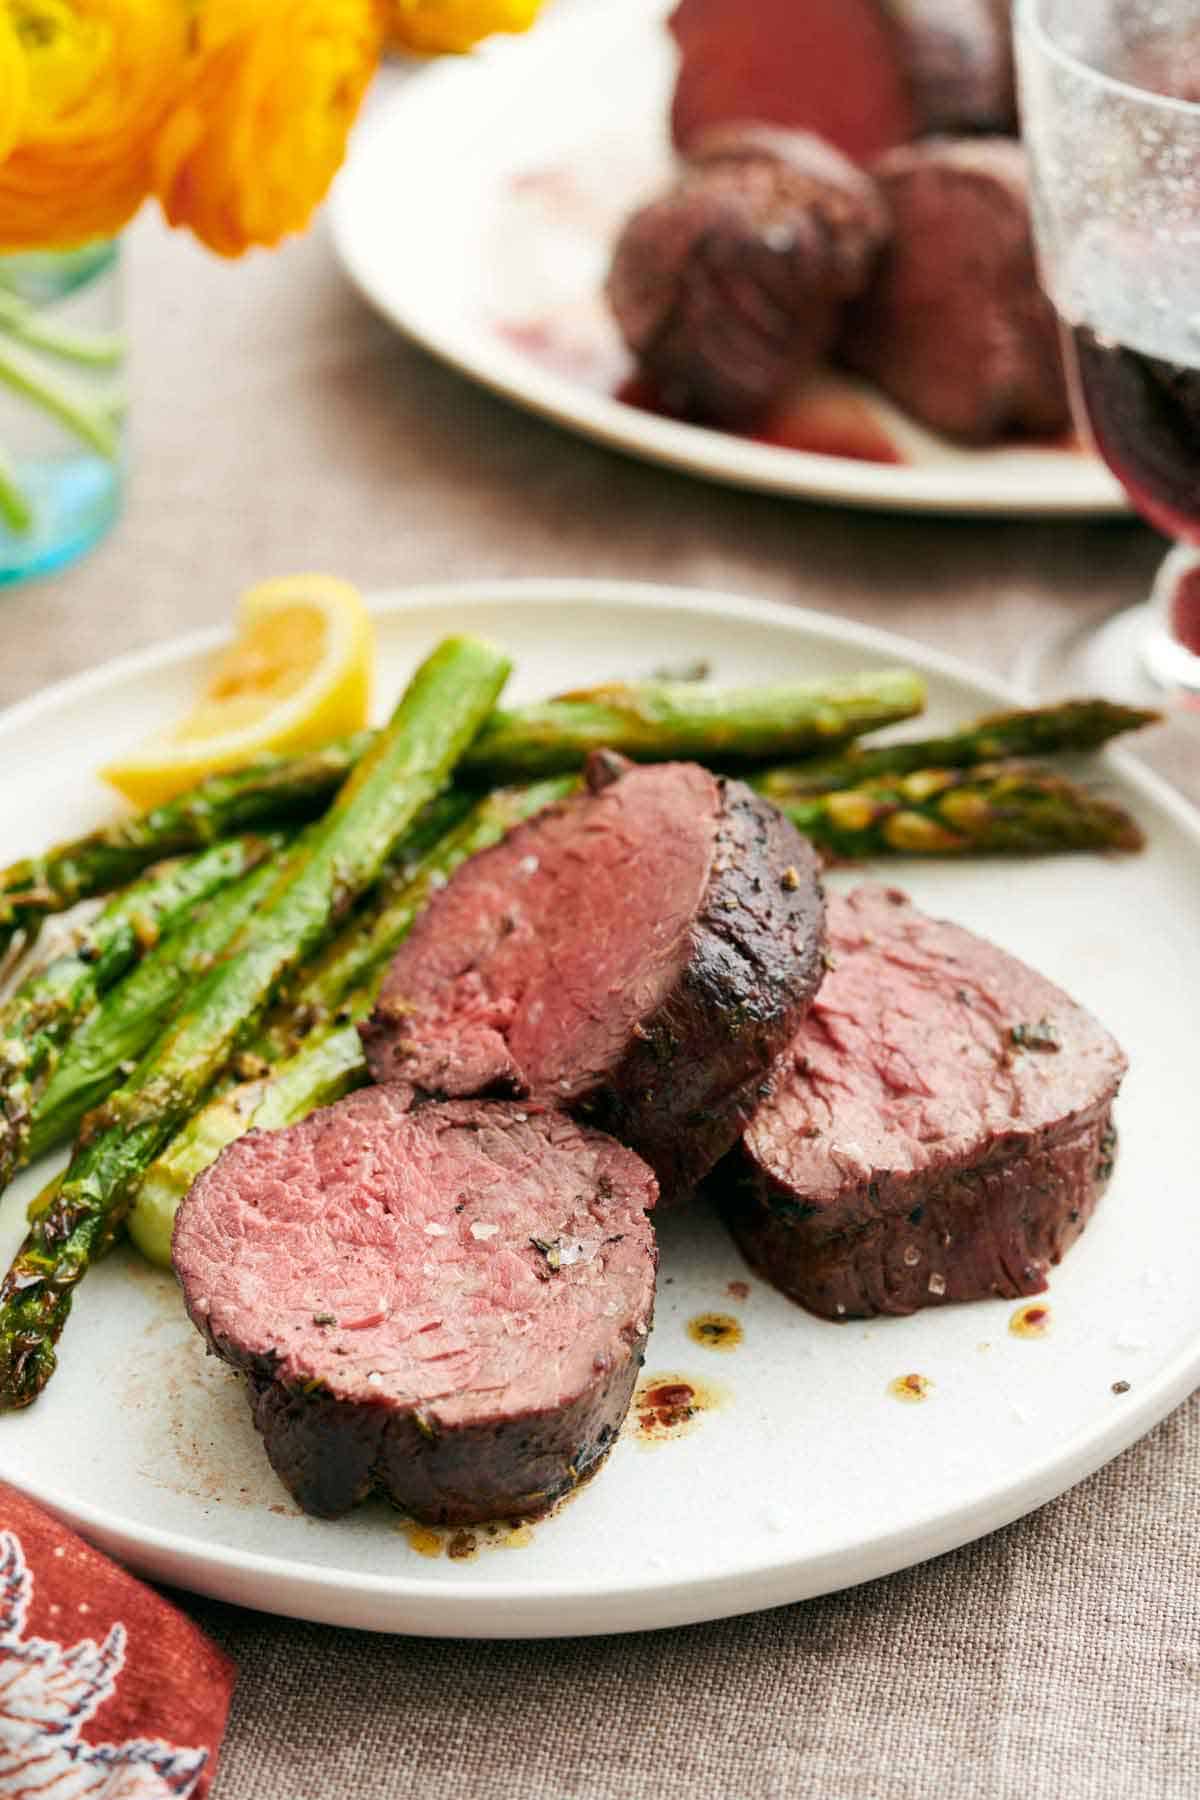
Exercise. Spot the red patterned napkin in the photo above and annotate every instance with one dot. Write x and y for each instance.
(106, 1691)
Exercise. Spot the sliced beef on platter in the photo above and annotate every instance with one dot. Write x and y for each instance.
(730, 287)
(940, 1127)
(953, 326)
(448, 1306)
(960, 65)
(865, 74)
(638, 954)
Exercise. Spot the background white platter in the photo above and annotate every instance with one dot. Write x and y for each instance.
(483, 201)
(809, 1476)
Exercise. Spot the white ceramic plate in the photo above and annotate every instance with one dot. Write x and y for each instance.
(809, 1476)
(478, 210)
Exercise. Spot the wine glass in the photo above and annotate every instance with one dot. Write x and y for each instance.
(1110, 109)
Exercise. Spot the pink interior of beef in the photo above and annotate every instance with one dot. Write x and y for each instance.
(835, 67)
(535, 963)
(466, 1258)
(917, 1054)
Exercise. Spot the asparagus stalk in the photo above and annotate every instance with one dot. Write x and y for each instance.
(131, 1015)
(303, 997)
(44, 1197)
(997, 808)
(318, 1036)
(647, 720)
(1034, 731)
(654, 721)
(39, 1016)
(270, 791)
(444, 706)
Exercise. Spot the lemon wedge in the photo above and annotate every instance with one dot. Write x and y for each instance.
(297, 674)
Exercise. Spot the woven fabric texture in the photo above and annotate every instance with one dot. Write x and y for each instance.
(1057, 1658)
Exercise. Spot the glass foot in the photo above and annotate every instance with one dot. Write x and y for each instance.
(1135, 655)
(1171, 651)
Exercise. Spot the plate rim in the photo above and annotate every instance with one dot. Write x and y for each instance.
(415, 1605)
(696, 450)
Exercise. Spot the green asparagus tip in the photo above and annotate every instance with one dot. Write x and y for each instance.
(1007, 808)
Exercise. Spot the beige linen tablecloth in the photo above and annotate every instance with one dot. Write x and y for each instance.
(278, 426)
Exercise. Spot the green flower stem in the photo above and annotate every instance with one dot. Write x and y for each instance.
(15, 509)
(92, 349)
(25, 376)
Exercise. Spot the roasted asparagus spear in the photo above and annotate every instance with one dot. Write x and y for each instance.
(270, 791)
(1034, 731)
(654, 721)
(647, 720)
(131, 1015)
(445, 704)
(997, 808)
(36, 1020)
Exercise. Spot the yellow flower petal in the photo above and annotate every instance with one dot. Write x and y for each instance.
(249, 152)
(66, 52)
(98, 79)
(431, 26)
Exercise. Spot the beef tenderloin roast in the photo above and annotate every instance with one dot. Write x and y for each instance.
(447, 1305)
(731, 286)
(864, 74)
(638, 954)
(940, 1127)
(953, 326)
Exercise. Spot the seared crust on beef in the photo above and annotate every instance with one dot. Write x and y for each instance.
(940, 1127)
(639, 954)
(985, 1232)
(448, 1306)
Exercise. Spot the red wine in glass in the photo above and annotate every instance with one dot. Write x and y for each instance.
(1110, 114)
(1144, 415)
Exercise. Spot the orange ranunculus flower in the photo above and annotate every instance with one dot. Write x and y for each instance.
(430, 26)
(90, 85)
(250, 149)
